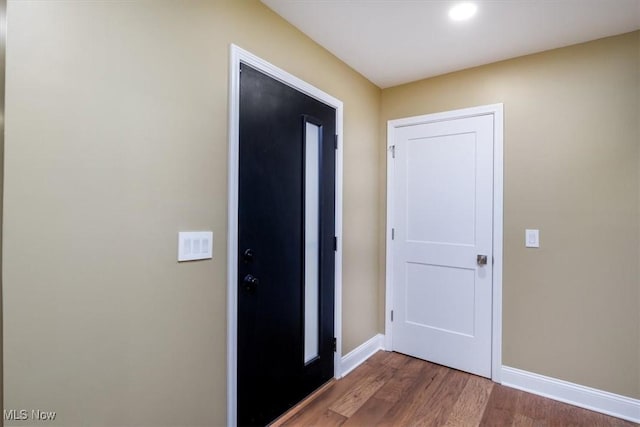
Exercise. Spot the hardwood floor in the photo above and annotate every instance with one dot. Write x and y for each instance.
(391, 389)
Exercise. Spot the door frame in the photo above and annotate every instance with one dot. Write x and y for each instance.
(237, 56)
(498, 163)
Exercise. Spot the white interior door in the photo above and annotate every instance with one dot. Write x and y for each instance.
(443, 226)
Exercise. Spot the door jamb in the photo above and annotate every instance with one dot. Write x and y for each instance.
(498, 164)
(237, 56)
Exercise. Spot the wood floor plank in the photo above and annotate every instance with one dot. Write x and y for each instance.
(501, 407)
(329, 419)
(388, 395)
(436, 411)
(470, 406)
(315, 409)
(406, 375)
(370, 413)
(562, 414)
(569, 416)
(395, 360)
(356, 397)
(520, 420)
(415, 395)
(615, 422)
(280, 421)
(531, 410)
(381, 358)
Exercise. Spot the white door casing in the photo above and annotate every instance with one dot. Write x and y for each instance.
(444, 209)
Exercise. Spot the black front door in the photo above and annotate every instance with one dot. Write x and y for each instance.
(286, 258)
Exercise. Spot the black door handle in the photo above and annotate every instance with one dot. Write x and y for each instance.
(250, 283)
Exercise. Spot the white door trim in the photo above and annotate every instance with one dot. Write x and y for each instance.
(497, 111)
(238, 56)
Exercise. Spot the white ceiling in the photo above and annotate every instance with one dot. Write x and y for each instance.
(398, 41)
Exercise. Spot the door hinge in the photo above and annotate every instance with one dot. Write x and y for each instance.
(393, 151)
(335, 243)
(335, 142)
(393, 234)
(392, 315)
(334, 343)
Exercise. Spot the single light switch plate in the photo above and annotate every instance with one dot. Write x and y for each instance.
(194, 245)
(532, 238)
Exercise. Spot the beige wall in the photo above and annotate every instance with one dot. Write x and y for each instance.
(116, 139)
(571, 309)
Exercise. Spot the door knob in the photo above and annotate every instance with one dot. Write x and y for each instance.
(250, 283)
(482, 260)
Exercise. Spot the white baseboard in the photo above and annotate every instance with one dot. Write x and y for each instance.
(574, 394)
(360, 354)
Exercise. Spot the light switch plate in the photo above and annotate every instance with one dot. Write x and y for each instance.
(195, 245)
(532, 238)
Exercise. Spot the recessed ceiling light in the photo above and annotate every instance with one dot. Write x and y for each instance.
(462, 11)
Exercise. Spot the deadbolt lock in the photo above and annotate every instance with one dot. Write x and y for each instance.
(482, 259)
